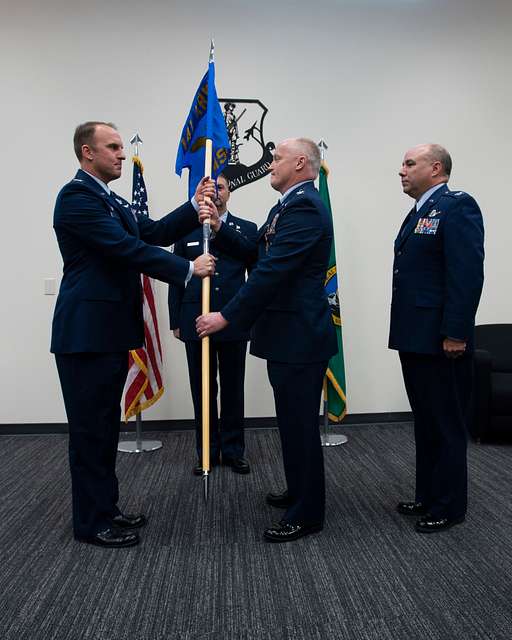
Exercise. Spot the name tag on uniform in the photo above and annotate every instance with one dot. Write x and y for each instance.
(427, 226)
(193, 244)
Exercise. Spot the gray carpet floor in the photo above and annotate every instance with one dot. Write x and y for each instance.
(203, 572)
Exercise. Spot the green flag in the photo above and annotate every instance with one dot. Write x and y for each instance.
(335, 377)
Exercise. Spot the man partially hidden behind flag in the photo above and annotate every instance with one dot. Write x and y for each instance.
(205, 120)
(144, 384)
(335, 376)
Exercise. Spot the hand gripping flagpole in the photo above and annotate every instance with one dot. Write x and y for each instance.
(205, 308)
(139, 445)
(328, 439)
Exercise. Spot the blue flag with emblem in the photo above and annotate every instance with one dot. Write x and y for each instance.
(205, 121)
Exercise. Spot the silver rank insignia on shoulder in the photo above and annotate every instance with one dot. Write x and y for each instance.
(434, 213)
(77, 180)
(125, 204)
(459, 193)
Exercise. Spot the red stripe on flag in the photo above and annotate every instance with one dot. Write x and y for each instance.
(144, 381)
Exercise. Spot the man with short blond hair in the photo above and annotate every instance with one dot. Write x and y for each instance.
(285, 305)
(98, 318)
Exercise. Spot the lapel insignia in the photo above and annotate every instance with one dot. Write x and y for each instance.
(231, 224)
(459, 193)
(300, 192)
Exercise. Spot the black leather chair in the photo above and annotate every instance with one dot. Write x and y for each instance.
(492, 393)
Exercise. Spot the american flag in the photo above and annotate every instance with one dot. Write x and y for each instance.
(144, 382)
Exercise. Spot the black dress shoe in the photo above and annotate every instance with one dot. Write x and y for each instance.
(113, 538)
(429, 524)
(198, 468)
(411, 509)
(284, 532)
(238, 465)
(129, 521)
(279, 500)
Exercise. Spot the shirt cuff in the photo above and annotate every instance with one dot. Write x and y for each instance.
(190, 272)
(193, 202)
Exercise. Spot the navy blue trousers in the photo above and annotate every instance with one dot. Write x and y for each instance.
(92, 386)
(297, 392)
(227, 359)
(439, 391)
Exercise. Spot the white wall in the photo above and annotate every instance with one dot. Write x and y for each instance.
(372, 77)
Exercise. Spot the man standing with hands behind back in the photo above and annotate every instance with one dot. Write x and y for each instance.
(228, 348)
(437, 282)
(98, 318)
(284, 302)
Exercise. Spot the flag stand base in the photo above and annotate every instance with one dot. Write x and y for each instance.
(332, 440)
(138, 445)
(128, 446)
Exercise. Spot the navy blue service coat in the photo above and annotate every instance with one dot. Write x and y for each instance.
(229, 277)
(284, 300)
(437, 273)
(105, 247)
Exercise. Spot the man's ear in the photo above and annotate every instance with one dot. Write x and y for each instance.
(301, 162)
(437, 168)
(86, 152)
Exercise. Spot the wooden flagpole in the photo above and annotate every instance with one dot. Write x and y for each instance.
(205, 341)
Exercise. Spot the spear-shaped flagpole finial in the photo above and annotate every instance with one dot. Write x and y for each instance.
(323, 148)
(205, 485)
(212, 51)
(136, 141)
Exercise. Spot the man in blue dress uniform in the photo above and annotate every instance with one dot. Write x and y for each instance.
(285, 303)
(228, 348)
(98, 318)
(437, 282)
